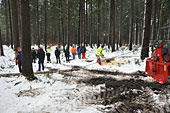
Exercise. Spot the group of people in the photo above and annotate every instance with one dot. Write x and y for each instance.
(40, 54)
(80, 50)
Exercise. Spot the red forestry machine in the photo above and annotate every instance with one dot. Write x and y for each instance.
(158, 66)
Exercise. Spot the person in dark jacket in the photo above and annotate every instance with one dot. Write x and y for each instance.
(83, 51)
(67, 54)
(41, 57)
(18, 60)
(34, 55)
(57, 54)
(79, 52)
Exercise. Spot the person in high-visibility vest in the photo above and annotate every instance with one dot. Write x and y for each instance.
(99, 53)
(48, 53)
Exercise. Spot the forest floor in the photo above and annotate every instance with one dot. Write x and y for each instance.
(82, 86)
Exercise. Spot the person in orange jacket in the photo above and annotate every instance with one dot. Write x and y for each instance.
(73, 51)
(18, 59)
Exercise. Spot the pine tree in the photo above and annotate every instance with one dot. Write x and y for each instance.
(145, 45)
(27, 70)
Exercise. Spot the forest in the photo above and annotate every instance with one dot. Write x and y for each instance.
(65, 22)
(125, 62)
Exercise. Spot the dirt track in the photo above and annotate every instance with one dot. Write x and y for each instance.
(131, 94)
(128, 95)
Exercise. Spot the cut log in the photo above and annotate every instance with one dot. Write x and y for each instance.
(69, 70)
(44, 72)
(112, 61)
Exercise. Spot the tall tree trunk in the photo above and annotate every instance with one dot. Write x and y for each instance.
(113, 24)
(104, 23)
(99, 23)
(145, 45)
(91, 21)
(10, 22)
(84, 23)
(69, 25)
(27, 70)
(169, 29)
(15, 23)
(45, 22)
(121, 16)
(38, 28)
(86, 30)
(137, 25)
(81, 21)
(59, 22)
(62, 25)
(141, 23)
(160, 19)
(19, 21)
(79, 24)
(1, 47)
(131, 25)
(110, 27)
(154, 20)
(7, 24)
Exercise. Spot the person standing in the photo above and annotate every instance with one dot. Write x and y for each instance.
(83, 51)
(67, 54)
(99, 53)
(48, 54)
(79, 52)
(34, 54)
(57, 54)
(73, 51)
(18, 59)
(41, 57)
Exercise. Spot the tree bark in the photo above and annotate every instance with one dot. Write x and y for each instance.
(1, 47)
(81, 21)
(137, 25)
(27, 70)
(15, 24)
(131, 25)
(10, 22)
(69, 25)
(154, 20)
(86, 23)
(110, 27)
(45, 24)
(160, 19)
(59, 22)
(121, 21)
(7, 24)
(38, 28)
(62, 25)
(99, 23)
(145, 45)
(91, 23)
(113, 24)
(169, 30)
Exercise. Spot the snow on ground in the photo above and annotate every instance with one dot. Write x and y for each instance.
(55, 93)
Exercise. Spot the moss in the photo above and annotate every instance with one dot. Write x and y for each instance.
(29, 77)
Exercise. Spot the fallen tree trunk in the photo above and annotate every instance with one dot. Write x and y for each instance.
(44, 72)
